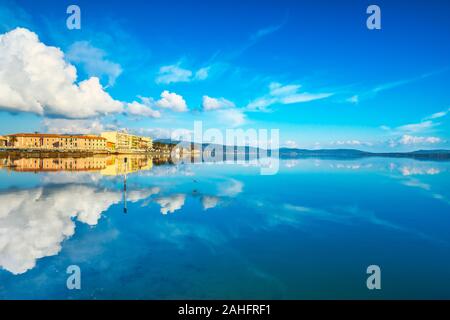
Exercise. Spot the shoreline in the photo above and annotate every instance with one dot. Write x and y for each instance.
(287, 155)
(75, 154)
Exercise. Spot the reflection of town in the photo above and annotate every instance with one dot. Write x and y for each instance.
(35, 220)
(109, 165)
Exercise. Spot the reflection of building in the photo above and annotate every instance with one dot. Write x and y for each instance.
(122, 164)
(59, 164)
(127, 143)
(56, 142)
(3, 142)
(105, 164)
(3, 162)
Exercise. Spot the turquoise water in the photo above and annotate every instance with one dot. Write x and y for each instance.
(209, 231)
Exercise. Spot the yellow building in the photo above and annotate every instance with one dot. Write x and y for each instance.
(110, 146)
(56, 142)
(127, 143)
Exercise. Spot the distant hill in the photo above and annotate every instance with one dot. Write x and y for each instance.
(204, 146)
(354, 153)
(294, 153)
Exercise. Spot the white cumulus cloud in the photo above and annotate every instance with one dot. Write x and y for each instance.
(36, 78)
(210, 103)
(353, 142)
(172, 101)
(408, 139)
(140, 109)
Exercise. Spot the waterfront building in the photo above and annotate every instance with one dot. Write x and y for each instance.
(127, 143)
(56, 142)
(110, 146)
(108, 142)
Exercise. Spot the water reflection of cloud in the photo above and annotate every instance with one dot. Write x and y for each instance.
(169, 170)
(290, 163)
(411, 171)
(230, 188)
(415, 183)
(71, 177)
(295, 215)
(351, 166)
(34, 222)
(412, 175)
(210, 194)
(172, 203)
(209, 202)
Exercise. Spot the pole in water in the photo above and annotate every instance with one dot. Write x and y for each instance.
(125, 210)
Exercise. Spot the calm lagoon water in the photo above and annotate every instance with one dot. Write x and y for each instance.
(208, 231)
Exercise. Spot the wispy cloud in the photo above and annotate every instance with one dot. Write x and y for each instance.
(284, 94)
(425, 125)
(438, 115)
(417, 127)
(420, 133)
(172, 74)
(94, 61)
(356, 98)
(256, 37)
(265, 32)
(202, 73)
(175, 73)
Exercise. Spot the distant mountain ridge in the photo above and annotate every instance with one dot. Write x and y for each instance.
(440, 154)
(295, 153)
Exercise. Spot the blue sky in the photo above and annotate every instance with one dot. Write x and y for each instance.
(309, 68)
